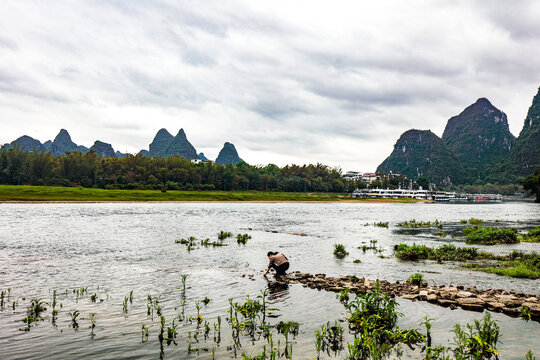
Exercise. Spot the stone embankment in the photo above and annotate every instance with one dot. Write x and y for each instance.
(469, 298)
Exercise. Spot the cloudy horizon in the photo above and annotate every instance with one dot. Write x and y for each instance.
(285, 82)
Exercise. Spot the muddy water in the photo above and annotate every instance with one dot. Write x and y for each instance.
(114, 248)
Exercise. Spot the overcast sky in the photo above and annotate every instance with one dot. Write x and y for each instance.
(334, 82)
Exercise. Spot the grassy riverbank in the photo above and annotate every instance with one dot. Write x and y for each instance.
(23, 193)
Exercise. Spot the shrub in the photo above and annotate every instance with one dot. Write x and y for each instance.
(445, 252)
(416, 279)
(490, 236)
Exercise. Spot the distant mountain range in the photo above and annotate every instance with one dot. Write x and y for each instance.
(476, 146)
(163, 145)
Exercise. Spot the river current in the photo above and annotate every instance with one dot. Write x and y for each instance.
(113, 249)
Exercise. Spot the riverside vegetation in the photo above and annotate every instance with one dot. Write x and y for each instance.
(516, 264)
(24, 193)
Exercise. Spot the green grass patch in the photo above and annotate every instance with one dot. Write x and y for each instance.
(532, 236)
(442, 253)
(490, 236)
(517, 264)
(23, 193)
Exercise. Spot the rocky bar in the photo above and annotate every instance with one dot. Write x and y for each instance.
(510, 303)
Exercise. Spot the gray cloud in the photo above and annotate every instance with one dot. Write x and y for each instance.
(297, 82)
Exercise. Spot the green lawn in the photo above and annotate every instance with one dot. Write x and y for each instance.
(15, 193)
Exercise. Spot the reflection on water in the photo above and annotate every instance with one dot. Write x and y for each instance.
(277, 291)
(113, 249)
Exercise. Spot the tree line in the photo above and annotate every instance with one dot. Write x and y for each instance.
(18, 167)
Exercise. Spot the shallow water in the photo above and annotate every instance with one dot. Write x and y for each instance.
(124, 247)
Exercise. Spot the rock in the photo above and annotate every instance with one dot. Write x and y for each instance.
(470, 300)
(473, 307)
(432, 298)
(495, 306)
(512, 303)
(505, 297)
(511, 311)
(464, 294)
(410, 296)
(423, 294)
(335, 289)
(446, 294)
(531, 299)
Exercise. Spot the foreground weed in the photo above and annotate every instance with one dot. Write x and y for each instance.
(477, 340)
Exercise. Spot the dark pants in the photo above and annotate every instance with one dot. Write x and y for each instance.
(281, 269)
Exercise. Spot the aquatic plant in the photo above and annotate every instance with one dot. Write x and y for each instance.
(206, 300)
(329, 338)
(530, 356)
(198, 307)
(93, 298)
(371, 246)
(525, 313)
(532, 236)
(125, 304)
(172, 332)
(416, 279)
(162, 328)
(343, 296)
(190, 242)
(207, 242)
(517, 264)
(490, 236)
(74, 315)
(381, 224)
(33, 312)
(131, 297)
(339, 250)
(222, 235)
(475, 221)
(184, 279)
(144, 333)
(445, 252)
(286, 328)
(92, 320)
(357, 261)
(242, 238)
(372, 317)
(53, 306)
(413, 224)
(477, 340)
